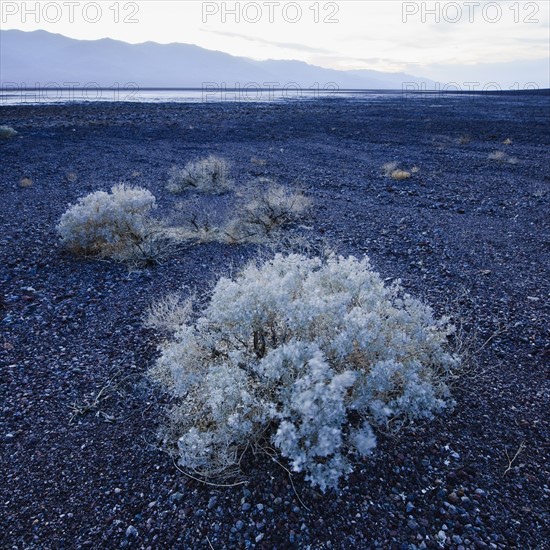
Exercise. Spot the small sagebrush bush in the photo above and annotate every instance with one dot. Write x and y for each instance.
(258, 161)
(389, 167)
(199, 222)
(497, 155)
(7, 132)
(209, 175)
(264, 208)
(303, 357)
(25, 182)
(116, 224)
(400, 175)
(391, 170)
(501, 156)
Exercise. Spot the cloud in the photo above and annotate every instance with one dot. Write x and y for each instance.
(518, 74)
(347, 63)
(257, 40)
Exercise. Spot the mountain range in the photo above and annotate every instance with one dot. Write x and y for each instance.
(39, 58)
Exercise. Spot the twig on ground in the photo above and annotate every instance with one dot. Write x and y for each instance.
(265, 450)
(236, 484)
(89, 406)
(511, 460)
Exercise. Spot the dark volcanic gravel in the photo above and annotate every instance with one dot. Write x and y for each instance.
(466, 233)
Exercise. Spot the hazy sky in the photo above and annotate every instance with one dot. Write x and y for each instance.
(469, 41)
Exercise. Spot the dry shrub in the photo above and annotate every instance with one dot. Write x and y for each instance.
(301, 357)
(25, 182)
(497, 155)
(400, 175)
(7, 132)
(196, 221)
(258, 161)
(168, 312)
(392, 170)
(265, 208)
(116, 225)
(209, 175)
(501, 156)
(389, 167)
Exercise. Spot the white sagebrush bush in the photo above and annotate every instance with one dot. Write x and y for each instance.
(209, 175)
(306, 355)
(7, 132)
(116, 224)
(501, 156)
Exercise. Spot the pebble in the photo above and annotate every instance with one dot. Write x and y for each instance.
(412, 525)
(131, 532)
(453, 497)
(175, 497)
(212, 502)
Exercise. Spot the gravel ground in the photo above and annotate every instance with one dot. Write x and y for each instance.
(466, 233)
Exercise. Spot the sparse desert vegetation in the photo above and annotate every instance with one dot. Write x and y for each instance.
(265, 207)
(195, 221)
(286, 354)
(255, 214)
(258, 161)
(501, 156)
(7, 132)
(271, 369)
(116, 224)
(392, 170)
(71, 177)
(497, 155)
(208, 175)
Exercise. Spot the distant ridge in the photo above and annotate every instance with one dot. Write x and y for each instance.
(40, 58)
